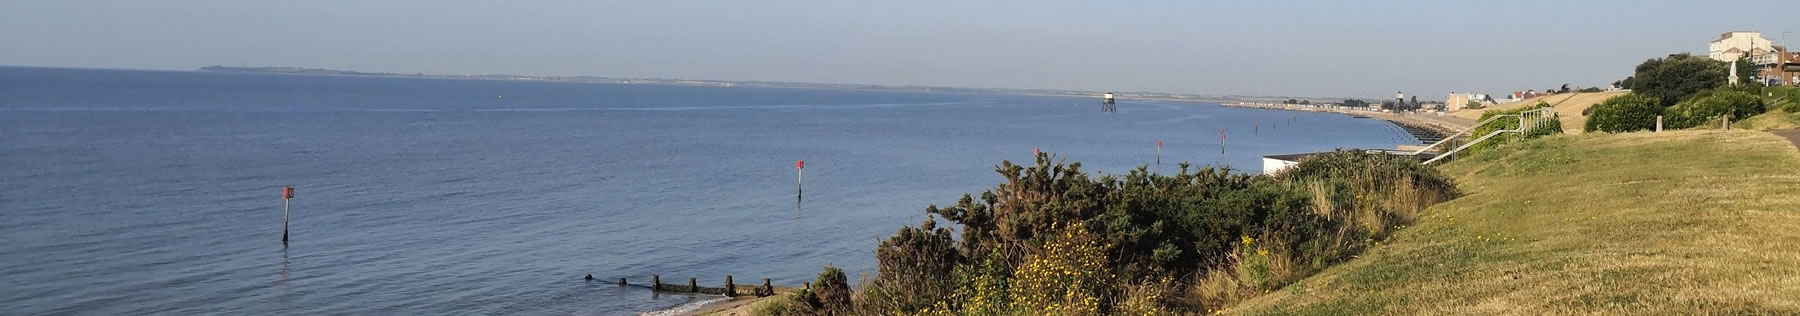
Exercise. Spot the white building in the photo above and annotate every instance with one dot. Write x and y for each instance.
(1458, 101)
(1732, 45)
(1276, 163)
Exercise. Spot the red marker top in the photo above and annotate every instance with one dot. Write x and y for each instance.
(287, 193)
(1159, 143)
(799, 164)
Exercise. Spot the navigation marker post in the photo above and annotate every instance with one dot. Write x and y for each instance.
(799, 180)
(1221, 143)
(1159, 151)
(287, 193)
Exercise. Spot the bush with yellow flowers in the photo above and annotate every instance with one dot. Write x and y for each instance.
(1067, 276)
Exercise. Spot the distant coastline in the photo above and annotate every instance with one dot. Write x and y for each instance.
(1155, 96)
(1426, 124)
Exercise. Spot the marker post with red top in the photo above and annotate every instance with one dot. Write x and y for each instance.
(799, 179)
(287, 193)
(1159, 151)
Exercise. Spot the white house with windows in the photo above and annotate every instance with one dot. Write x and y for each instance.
(1733, 45)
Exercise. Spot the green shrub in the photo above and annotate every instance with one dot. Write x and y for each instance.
(1068, 275)
(982, 288)
(780, 306)
(831, 293)
(1711, 105)
(1625, 113)
(1052, 238)
(1783, 98)
(911, 268)
(1544, 125)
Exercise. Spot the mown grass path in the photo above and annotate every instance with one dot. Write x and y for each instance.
(1676, 223)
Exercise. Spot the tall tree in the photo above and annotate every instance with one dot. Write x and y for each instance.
(1672, 78)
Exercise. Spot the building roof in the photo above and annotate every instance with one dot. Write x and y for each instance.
(1727, 35)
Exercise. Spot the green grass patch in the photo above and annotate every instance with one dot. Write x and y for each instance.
(1677, 223)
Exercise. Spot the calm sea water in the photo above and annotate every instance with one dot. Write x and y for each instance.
(135, 192)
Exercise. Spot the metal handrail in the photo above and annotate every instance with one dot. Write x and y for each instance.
(1466, 145)
(1465, 131)
(1520, 130)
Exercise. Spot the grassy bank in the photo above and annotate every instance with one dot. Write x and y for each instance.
(1693, 222)
(1570, 107)
(1773, 120)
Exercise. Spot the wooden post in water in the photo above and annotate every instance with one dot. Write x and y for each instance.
(287, 193)
(1256, 127)
(655, 282)
(693, 285)
(730, 289)
(621, 281)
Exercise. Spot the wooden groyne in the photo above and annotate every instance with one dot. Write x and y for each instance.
(1428, 133)
(730, 289)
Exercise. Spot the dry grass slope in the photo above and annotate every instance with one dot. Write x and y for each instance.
(1773, 120)
(1680, 223)
(1568, 107)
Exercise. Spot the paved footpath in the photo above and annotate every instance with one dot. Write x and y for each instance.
(1792, 135)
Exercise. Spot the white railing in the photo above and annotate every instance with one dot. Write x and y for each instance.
(1453, 136)
(1528, 120)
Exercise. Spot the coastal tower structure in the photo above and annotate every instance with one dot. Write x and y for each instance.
(1106, 103)
(1399, 99)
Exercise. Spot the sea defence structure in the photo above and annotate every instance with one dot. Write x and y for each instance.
(1426, 127)
(730, 289)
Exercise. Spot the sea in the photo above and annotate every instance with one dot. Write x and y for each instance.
(129, 192)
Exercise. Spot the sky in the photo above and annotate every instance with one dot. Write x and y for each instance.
(1365, 49)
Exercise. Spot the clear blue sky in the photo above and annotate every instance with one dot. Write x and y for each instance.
(1298, 48)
